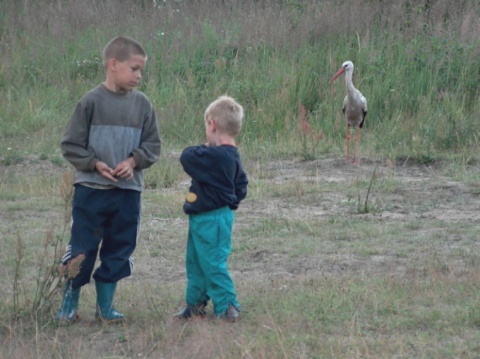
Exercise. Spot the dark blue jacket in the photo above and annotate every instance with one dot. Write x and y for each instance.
(218, 178)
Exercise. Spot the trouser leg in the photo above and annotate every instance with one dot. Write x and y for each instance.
(196, 282)
(212, 236)
(120, 238)
(86, 232)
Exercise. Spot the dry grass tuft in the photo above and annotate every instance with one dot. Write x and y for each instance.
(309, 137)
(72, 268)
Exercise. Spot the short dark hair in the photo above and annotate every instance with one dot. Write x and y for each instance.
(122, 48)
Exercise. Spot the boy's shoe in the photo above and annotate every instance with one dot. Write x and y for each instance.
(231, 314)
(197, 310)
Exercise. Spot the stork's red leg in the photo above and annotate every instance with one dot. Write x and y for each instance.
(348, 143)
(357, 140)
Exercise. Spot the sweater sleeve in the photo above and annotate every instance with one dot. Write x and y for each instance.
(74, 142)
(150, 143)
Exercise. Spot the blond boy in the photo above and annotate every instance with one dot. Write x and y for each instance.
(218, 185)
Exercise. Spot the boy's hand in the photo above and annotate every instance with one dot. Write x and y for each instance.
(125, 169)
(105, 171)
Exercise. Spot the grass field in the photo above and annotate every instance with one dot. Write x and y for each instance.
(330, 260)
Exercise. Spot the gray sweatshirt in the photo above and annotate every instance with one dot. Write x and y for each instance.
(109, 127)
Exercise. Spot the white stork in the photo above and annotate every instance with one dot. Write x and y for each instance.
(354, 107)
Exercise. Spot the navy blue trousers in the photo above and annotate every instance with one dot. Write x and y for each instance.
(104, 223)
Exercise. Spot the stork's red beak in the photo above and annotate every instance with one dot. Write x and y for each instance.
(339, 72)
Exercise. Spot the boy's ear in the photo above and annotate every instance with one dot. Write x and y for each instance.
(211, 122)
(112, 64)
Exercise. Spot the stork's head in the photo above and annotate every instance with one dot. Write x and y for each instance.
(347, 66)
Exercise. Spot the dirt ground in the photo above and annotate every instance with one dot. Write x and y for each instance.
(301, 220)
(435, 208)
(421, 216)
(435, 213)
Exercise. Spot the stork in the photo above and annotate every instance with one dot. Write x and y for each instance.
(354, 107)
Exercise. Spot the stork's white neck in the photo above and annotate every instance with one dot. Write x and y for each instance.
(349, 81)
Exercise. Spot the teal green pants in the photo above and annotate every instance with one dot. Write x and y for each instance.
(208, 247)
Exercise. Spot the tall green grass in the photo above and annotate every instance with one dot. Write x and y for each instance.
(418, 66)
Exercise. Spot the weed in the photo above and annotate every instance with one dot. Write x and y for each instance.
(57, 161)
(365, 207)
(309, 138)
(12, 159)
(48, 277)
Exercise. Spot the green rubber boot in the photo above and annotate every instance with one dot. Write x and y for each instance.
(105, 309)
(68, 310)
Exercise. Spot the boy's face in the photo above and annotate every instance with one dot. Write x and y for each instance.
(125, 75)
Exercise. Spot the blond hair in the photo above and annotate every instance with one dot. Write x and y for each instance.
(227, 113)
(122, 48)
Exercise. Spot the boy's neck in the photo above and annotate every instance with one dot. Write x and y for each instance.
(224, 139)
(230, 143)
(110, 85)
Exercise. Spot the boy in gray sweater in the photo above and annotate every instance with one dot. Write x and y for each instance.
(111, 137)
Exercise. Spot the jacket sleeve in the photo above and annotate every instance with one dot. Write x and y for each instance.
(241, 187)
(241, 183)
(197, 163)
(74, 142)
(150, 144)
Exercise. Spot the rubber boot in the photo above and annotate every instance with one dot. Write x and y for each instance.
(68, 310)
(105, 309)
